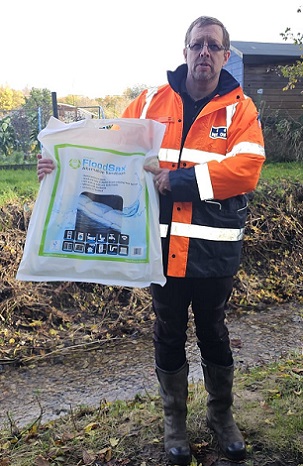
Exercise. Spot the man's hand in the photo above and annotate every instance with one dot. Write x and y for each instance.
(161, 178)
(44, 166)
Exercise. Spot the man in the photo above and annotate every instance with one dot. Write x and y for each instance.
(212, 154)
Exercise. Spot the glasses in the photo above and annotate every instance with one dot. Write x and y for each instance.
(210, 47)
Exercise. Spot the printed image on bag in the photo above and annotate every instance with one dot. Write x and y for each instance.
(96, 216)
(98, 213)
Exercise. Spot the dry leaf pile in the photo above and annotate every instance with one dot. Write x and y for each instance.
(41, 319)
(271, 271)
(38, 318)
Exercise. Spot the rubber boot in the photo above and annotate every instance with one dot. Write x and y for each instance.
(218, 382)
(174, 392)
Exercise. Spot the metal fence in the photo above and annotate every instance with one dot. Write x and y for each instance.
(21, 126)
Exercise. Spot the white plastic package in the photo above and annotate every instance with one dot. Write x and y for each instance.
(96, 217)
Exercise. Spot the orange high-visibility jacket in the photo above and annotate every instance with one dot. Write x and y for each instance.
(202, 218)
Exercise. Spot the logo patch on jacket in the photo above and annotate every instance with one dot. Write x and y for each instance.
(218, 132)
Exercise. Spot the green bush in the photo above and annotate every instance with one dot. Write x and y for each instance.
(283, 138)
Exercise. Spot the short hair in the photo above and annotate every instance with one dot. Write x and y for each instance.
(206, 21)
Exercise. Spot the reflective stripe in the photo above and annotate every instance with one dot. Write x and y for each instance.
(230, 111)
(188, 155)
(149, 95)
(163, 230)
(201, 156)
(247, 148)
(205, 186)
(169, 155)
(203, 232)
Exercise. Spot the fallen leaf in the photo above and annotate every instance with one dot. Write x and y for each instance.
(87, 457)
(236, 343)
(91, 426)
(40, 461)
(114, 442)
(4, 462)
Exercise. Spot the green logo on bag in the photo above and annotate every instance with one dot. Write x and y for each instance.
(75, 163)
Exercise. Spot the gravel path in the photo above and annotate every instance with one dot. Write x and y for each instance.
(124, 368)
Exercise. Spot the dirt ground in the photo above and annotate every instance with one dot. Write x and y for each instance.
(124, 367)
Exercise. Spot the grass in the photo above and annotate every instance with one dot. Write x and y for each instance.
(268, 409)
(18, 184)
(292, 171)
(276, 413)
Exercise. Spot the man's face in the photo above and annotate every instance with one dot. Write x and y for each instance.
(205, 63)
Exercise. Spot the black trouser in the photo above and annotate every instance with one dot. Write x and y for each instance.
(208, 298)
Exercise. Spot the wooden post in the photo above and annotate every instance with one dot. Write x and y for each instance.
(55, 106)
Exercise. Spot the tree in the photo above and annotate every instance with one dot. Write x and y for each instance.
(133, 92)
(19, 130)
(37, 110)
(39, 99)
(78, 101)
(25, 132)
(294, 72)
(10, 99)
(113, 105)
(7, 136)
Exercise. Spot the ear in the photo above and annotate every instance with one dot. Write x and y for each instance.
(226, 56)
(185, 50)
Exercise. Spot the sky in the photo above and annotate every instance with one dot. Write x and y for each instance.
(95, 48)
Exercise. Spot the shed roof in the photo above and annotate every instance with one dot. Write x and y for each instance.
(256, 52)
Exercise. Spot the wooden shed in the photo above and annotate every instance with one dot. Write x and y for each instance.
(255, 66)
